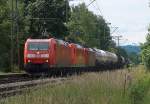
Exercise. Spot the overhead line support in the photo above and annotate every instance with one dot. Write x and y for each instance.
(118, 38)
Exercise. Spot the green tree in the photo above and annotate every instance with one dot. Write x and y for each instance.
(88, 28)
(146, 51)
(49, 14)
(135, 58)
(5, 33)
(122, 52)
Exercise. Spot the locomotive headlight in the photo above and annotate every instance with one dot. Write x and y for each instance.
(44, 55)
(30, 55)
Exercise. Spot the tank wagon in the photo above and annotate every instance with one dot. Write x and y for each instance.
(42, 55)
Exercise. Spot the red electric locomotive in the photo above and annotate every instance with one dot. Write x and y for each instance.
(38, 53)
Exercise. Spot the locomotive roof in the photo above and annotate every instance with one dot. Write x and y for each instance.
(38, 40)
(62, 42)
(79, 46)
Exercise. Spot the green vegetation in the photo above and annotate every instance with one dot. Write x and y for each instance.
(140, 88)
(135, 58)
(52, 17)
(52, 14)
(145, 54)
(88, 28)
(116, 87)
(133, 52)
(4, 39)
(146, 51)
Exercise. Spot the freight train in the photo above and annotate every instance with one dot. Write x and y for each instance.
(46, 55)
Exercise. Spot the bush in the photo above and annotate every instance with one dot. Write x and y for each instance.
(146, 56)
(139, 90)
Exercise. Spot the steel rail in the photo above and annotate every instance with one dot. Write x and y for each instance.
(12, 89)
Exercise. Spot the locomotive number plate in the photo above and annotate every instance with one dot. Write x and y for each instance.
(38, 56)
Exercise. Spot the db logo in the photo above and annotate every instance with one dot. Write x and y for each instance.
(38, 53)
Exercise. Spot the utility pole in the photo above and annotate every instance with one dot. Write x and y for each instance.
(66, 11)
(67, 7)
(17, 32)
(118, 38)
(12, 35)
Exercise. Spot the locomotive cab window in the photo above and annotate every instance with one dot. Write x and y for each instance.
(34, 46)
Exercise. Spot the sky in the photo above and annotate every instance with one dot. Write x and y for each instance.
(132, 17)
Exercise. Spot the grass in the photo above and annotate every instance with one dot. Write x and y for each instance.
(116, 87)
(147, 98)
(4, 73)
(1, 73)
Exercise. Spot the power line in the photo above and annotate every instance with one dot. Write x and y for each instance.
(90, 3)
(98, 7)
(115, 29)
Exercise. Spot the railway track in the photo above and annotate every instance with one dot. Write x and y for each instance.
(11, 78)
(15, 88)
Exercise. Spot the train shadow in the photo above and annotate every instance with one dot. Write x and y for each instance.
(68, 72)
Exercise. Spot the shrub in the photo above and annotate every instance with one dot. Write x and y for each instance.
(146, 57)
(139, 90)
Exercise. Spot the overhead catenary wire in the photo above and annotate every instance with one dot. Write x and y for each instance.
(118, 38)
(98, 7)
(91, 3)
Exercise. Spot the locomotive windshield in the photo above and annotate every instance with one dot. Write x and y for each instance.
(38, 46)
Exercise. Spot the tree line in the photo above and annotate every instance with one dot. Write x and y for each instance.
(145, 53)
(55, 18)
